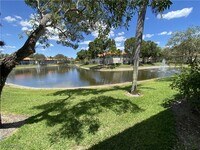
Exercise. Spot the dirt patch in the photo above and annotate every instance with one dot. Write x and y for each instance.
(187, 126)
(133, 95)
(10, 124)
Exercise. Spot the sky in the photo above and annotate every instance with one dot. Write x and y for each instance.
(15, 15)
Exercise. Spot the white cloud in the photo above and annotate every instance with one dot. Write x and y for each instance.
(95, 34)
(25, 23)
(162, 33)
(147, 36)
(9, 46)
(165, 33)
(121, 33)
(53, 34)
(24, 29)
(120, 47)
(118, 44)
(147, 18)
(157, 43)
(83, 48)
(169, 33)
(18, 17)
(85, 42)
(111, 34)
(176, 14)
(51, 45)
(120, 39)
(9, 19)
(54, 38)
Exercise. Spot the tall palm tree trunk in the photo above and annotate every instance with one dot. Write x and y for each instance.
(139, 34)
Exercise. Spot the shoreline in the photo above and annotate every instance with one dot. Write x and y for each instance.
(76, 88)
(124, 69)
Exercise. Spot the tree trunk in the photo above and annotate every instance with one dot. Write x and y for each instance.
(9, 62)
(139, 34)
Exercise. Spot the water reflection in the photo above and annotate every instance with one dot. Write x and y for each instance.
(65, 76)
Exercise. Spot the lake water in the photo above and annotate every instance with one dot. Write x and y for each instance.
(64, 76)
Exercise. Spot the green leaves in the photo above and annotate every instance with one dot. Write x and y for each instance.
(158, 6)
(188, 83)
(186, 44)
(71, 19)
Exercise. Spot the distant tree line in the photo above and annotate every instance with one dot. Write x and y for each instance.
(38, 56)
(184, 46)
(103, 45)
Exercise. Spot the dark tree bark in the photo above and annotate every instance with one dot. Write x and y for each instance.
(12, 60)
(139, 34)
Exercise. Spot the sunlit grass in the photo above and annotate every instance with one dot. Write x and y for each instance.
(104, 118)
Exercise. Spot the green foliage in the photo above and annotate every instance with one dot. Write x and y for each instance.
(158, 6)
(82, 54)
(129, 45)
(2, 43)
(39, 56)
(60, 57)
(184, 46)
(148, 49)
(101, 45)
(71, 20)
(188, 83)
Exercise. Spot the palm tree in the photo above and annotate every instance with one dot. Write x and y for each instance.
(158, 6)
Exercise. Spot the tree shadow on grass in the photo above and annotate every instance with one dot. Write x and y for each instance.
(75, 120)
(85, 92)
(174, 100)
(155, 133)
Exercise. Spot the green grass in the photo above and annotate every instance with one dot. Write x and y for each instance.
(31, 66)
(104, 118)
(121, 66)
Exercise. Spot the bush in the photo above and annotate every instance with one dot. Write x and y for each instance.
(188, 84)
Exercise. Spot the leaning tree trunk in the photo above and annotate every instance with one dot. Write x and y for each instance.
(139, 33)
(27, 49)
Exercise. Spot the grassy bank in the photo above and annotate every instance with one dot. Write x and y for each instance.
(35, 66)
(104, 118)
(114, 67)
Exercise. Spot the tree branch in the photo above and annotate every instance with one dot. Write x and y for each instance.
(39, 9)
(63, 32)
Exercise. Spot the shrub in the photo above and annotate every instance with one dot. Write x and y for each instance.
(188, 84)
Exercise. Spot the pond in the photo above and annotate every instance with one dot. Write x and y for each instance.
(65, 76)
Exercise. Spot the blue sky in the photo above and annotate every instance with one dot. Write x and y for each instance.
(181, 15)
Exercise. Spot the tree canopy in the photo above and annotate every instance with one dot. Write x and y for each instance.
(184, 46)
(82, 54)
(101, 45)
(68, 20)
(60, 57)
(39, 56)
(148, 49)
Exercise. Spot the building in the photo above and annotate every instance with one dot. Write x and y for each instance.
(32, 61)
(112, 58)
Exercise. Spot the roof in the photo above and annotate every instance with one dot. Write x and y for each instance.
(111, 53)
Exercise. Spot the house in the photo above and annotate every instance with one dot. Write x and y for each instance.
(28, 61)
(32, 61)
(112, 58)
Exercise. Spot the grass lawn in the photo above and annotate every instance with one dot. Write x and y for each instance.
(32, 66)
(121, 66)
(102, 118)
